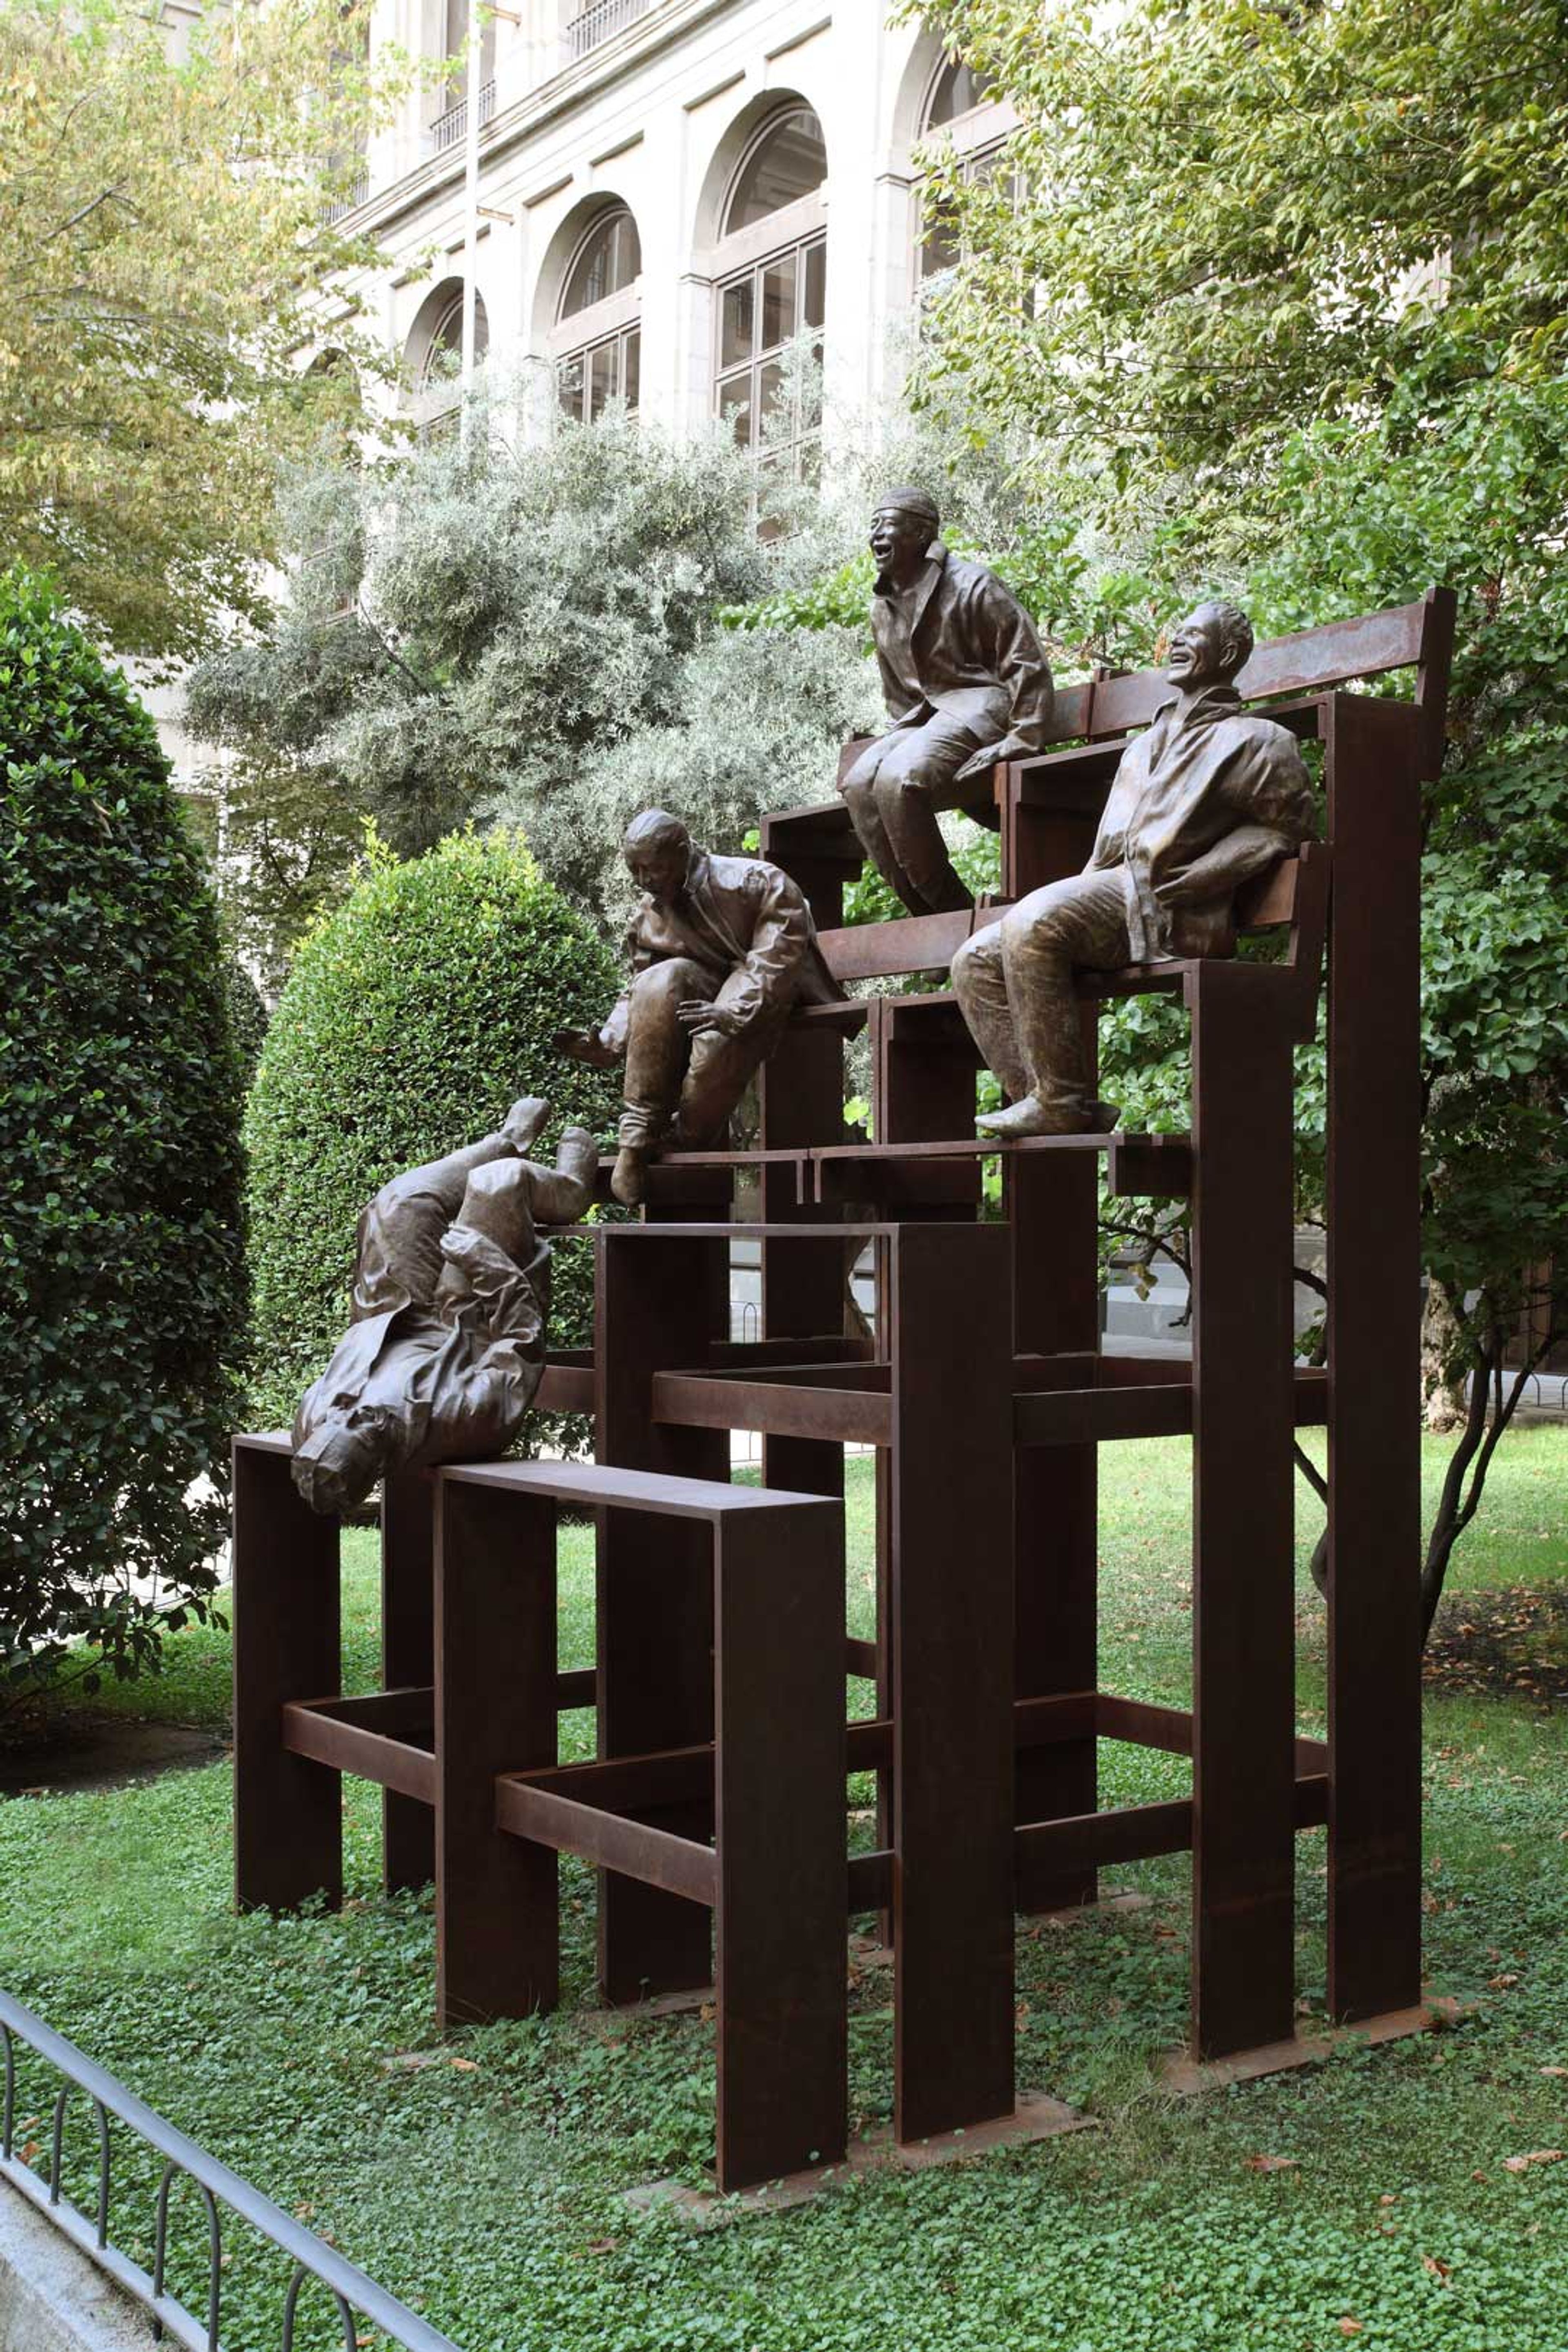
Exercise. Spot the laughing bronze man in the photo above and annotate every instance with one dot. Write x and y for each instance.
(1208, 797)
(966, 685)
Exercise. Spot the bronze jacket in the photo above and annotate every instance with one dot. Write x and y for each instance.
(734, 915)
(1205, 768)
(963, 645)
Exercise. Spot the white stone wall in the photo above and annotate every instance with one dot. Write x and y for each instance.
(656, 116)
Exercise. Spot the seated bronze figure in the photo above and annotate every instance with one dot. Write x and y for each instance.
(451, 1298)
(720, 950)
(966, 684)
(1208, 797)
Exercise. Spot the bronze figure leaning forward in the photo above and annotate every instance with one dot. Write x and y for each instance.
(966, 685)
(1208, 797)
(720, 950)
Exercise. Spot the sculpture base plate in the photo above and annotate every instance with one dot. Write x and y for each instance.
(1188, 2076)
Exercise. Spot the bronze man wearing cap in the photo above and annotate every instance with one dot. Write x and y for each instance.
(1210, 796)
(720, 950)
(966, 685)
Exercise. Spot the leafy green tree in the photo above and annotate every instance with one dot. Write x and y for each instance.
(413, 1016)
(1299, 293)
(121, 1266)
(163, 218)
(529, 634)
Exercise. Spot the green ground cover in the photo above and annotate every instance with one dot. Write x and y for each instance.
(483, 2180)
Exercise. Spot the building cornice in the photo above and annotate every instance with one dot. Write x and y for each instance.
(554, 101)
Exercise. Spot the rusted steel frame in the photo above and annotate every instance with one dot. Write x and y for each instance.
(860, 1657)
(880, 950)
(870, 1881)
(1243, 1990)
(950, 1483)
(597, 1485)
(654, 1615)
(657, 1858)
(287, 1809)
(407, 1637)
(1374, 753)
(395, 1764)
(565, 1388)
(1150, 1166)
(847, 1416)
(810, 1348)
(867, 1379)
(1163, 1409)
(1365, 646)
(497, 1901)
(1140, 1832)
(1170, 1730)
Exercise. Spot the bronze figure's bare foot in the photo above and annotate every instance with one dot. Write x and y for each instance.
(1030, 1116)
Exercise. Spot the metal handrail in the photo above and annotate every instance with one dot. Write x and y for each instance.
(350, 2289)
(601, 20)
(449, 129)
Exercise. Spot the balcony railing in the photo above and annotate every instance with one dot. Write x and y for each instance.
(354, 193)
(601, 21)
(450, 130)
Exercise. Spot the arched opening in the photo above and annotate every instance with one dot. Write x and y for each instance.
(596, 344)
(770, 283)
(432, 354)
(963, 105)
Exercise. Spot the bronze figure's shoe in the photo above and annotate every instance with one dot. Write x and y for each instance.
(1030, 1116)
(1102, 1118)
(524, 1121)
(629, 1178)
(949, 896)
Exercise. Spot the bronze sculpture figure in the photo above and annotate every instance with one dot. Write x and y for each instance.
(450, 1301)
(966, 685)
(720, 948)
(1208, 797)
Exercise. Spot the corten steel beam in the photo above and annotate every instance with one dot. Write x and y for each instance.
(1243, 1520)
(950, 1477)
(779, 1772)
(407, 1657)
(1122, 1410)
(822, 1417)
(496, 1900)
(1374, 1274)
(399, 1765)
(661, 1300)
(1052, 1200)
(287, 1811)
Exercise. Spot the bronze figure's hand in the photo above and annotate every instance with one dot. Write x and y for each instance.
(697, 1018)
(991, 755)
(586, 1046)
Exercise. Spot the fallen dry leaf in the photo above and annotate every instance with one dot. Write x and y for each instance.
(603, 2245)
(1501, 1984)
(1349, 2326)
(1536, 2155)
(1554, 2070)
(466, 2065)
(1438, 2270)
(1271, 2163)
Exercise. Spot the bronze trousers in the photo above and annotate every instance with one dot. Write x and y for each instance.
(1014, 984)
(894, 790)
(696, 1081)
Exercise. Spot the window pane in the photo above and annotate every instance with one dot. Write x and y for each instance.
(778, 302)
(569, 384)
(940, 249)
(735, 323)
(607, 264)
(791, 162)
(736, 402)
(816, 284)
(601, 380)
(960, 88)
(631, 368)
(770, 401)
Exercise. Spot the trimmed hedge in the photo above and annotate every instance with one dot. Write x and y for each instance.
(413, 1017)
(122, 1260)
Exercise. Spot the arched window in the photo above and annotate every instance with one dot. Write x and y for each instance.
(965, 105)
(772, 288)
(598, 339)
(444, 351)
(434, 352)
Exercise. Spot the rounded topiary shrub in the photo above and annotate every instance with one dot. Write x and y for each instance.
(412, 1019)
(122, 1261)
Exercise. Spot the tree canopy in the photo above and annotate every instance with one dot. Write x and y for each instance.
(163, 217)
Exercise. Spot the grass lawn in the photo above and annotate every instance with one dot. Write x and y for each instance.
(484, 2184)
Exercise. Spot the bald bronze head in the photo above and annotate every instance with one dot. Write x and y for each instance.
(1210, 646)
(656, 847)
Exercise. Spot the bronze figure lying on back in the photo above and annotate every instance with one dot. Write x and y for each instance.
(720, 950)
(1208, 797)
(450, 1301)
